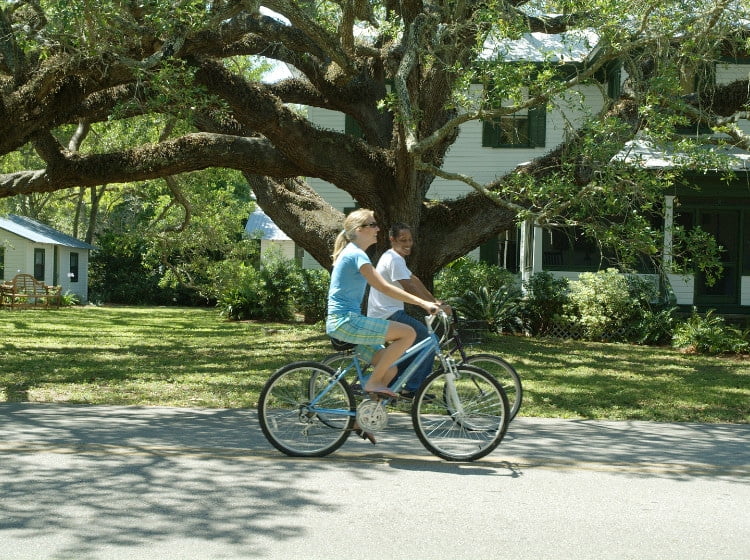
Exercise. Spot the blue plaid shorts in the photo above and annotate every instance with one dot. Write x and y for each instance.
(368, 333)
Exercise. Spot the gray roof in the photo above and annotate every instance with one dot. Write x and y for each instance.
(37, 232)
(571, 46)
(260, 226)
(643, 152)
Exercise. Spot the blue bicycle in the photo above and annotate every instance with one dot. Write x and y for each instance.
(451, 341)
(460, 413)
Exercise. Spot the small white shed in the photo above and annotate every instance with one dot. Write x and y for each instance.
(260, 226)
(55, 258)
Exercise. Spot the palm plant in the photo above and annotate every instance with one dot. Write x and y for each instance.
(499, 309)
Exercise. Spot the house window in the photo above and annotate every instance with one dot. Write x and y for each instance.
(525, 129)
(502, 250)
(39, 264)
(568, 249)
(2, 263)
(73, 271)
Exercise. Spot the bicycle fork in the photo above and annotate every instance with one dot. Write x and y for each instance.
(451, 393)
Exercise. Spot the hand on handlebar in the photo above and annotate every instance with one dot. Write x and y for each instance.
(447, 309)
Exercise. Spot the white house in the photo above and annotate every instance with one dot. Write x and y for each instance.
(31, 247)
(719, 207)
(484, 153)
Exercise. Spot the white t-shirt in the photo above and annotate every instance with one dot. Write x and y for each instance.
(392, 267)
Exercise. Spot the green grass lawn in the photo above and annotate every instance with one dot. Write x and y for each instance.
(191, 357)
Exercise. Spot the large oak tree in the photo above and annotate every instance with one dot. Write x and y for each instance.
(400, 68)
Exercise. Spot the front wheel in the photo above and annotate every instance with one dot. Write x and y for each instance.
(505, 374)
(292, 424)
(462, 417)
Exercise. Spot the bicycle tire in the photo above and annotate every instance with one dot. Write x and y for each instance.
(505, 374)
(288, 422)
(339, 359)
(343, 359)
(336, 361)
(465, 430)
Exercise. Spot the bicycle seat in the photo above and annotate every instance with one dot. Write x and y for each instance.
(340, 345)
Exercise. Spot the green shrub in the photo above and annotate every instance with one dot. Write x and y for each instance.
(655, 327)
(311, 294)
(266, 294)
(242, 299)
(280, 278)
(610, 306)
(117, 274)
(481, 292)
(275, 292)
(543, 303)
(468, 275)
(498, 309)
(709, 334)
(69, 299)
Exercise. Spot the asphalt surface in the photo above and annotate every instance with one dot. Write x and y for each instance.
(84, 482)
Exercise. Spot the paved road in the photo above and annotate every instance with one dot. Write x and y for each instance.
(93, 482)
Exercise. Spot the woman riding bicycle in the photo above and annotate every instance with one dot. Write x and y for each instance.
(352, 272)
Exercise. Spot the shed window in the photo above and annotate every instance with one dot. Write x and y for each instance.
(73, 270)
(39, 255)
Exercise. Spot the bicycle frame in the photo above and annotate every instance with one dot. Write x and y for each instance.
(458, 345)
(420, 351)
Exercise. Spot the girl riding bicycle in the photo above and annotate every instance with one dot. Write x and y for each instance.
(352, 272)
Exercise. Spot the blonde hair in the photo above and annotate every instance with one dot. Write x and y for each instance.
(355, 219)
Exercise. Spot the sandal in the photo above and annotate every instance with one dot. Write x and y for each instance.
(382, 392)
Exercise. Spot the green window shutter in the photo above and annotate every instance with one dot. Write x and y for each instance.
(614, 76)
(537, 126)
(490, 134)
(488, 251)
(352, 127)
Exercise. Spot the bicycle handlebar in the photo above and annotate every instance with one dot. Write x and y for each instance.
(443, 318)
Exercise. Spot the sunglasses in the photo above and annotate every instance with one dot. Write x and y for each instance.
(371, 224)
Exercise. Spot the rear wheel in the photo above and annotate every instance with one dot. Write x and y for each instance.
(341, 360)
(292, 424)
(462, 418)
(505, 374)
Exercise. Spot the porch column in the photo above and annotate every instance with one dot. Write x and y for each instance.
(529, 259)
(683, 286)
(668, 224)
